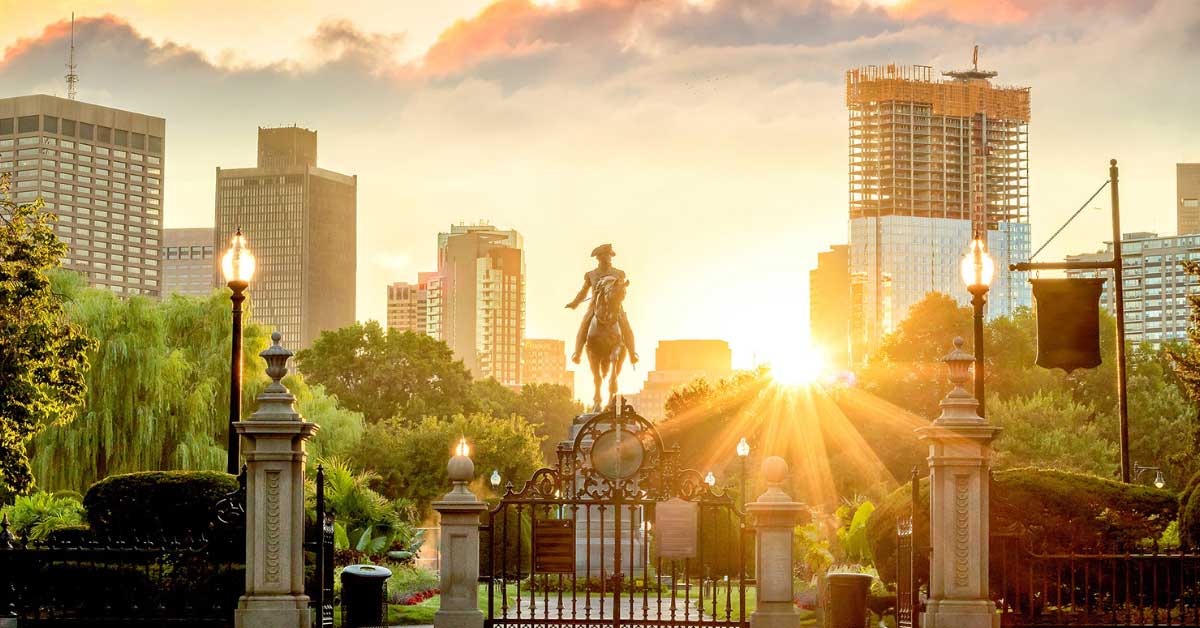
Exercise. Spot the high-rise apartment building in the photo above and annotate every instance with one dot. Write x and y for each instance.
(932, 163)
(404, 307)
(188, 261)
(300, 223)
(829, 291)
(1187, 198)
(1156, 286)
(100, 170)
(480, 297)
(544, 361)
(677, 362)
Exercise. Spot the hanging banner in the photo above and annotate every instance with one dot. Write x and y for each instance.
(1068, 322)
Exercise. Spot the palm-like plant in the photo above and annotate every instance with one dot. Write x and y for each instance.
(364, 520)
(33, 517)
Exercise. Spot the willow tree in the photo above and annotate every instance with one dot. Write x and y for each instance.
(158, 388)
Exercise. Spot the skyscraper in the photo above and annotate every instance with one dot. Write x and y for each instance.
(100, 170)
(300, 222)
(481, 294)
(932, 163)
(544, 361)
(403, 305)
(1187, 198)
(829, 291)
(188, 261)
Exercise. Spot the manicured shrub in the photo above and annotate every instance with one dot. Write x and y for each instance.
(1189, 514)
(157, 504)
(1054, 510)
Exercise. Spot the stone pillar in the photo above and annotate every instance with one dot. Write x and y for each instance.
(775, 517)
(274, 451)
(959, 459)
(460, 511)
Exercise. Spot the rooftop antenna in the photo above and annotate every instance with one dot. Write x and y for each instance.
(72, 77)
(975, 57)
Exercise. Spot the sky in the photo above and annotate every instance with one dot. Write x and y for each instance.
(705, 139)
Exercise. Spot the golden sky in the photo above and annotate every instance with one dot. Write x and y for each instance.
(706, 139)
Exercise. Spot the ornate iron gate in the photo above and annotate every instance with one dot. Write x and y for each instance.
(615, 535)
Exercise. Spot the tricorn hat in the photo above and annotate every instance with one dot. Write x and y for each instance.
(603, 249)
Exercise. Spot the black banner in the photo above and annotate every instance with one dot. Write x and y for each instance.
(1068, 322)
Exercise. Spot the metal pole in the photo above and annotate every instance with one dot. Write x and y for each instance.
(1119, 293)
(978, 300)
(235, 376)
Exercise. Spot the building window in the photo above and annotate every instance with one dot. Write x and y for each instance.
(27, 124)
(87, 131)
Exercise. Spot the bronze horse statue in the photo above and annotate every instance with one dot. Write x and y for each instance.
(605, 346)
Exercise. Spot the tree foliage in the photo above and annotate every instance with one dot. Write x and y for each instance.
(158, 389)
(411, 458)
(33, 517)
(43, 356)
(387, 373)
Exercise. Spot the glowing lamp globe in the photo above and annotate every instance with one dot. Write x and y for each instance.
(460, 468)
(238, 263)
(743, 448)
(977, 266)
(495, 478)
(1159, 480)
(710, 479)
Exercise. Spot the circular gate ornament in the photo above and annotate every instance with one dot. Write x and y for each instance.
(617, 454)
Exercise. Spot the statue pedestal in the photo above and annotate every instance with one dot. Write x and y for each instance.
(596, 531)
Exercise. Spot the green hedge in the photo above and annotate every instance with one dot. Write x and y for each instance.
(156, 503)
(1057, 510)
(1189, 514)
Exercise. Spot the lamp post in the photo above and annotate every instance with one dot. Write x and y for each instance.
(977, 269)
(495, 479)
(710, 479)
(743, 452)
(238, 267)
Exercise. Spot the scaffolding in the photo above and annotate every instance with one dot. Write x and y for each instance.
(921, 146)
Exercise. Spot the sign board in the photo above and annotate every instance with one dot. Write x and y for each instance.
(1068, 320)
(676, 524)
(554, 546)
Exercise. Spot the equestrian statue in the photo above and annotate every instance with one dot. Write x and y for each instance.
(605, 329)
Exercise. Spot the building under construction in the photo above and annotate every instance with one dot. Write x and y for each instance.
(934, 161)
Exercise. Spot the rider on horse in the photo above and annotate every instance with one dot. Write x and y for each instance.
(603, 254)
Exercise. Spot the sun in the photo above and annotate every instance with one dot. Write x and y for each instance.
(799, 367)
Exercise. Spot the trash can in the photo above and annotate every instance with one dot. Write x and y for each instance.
(364, 595)
(846, 600)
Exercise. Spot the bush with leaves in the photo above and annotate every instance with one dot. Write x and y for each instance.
(1059, 511)
(157, 504)
(367, 525)
(36, 516)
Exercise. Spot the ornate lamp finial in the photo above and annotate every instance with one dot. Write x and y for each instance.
(960, 405)
(461, 470)
(275, 402)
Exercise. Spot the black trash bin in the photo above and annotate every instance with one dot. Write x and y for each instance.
(846, 600)
(364, 595)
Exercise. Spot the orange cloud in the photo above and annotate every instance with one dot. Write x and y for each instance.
(57, 30)
(1001, 11)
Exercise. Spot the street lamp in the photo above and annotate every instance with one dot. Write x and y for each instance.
(495, 479)
(977, 269)
(1159, 480)
(238, 267)
(710, 479)
(743, 452)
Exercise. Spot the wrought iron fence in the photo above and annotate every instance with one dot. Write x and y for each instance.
(82, 580)
(1151, 588)
(318, 556)
(908, 553)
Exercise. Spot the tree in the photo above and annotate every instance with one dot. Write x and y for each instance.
(1186, 362)
(1052, 430)
(492, 397)
(551, 410)
(411, 458)
(43, 356)
(925, 335)
(341, 429)
(158, 389)
(386, 374)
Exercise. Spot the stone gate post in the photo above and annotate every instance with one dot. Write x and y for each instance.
(775, 517)
(460, 511)
(959, 459)
(274, 452)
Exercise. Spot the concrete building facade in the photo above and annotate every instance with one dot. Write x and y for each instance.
(100, 170)
(404, 307)
(188, 261)
(829, 320)
(933, 162)
(1156, 286)
(481, 299)
(1187, 198)
(300, 222)
(677, 362)
(544, 361)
